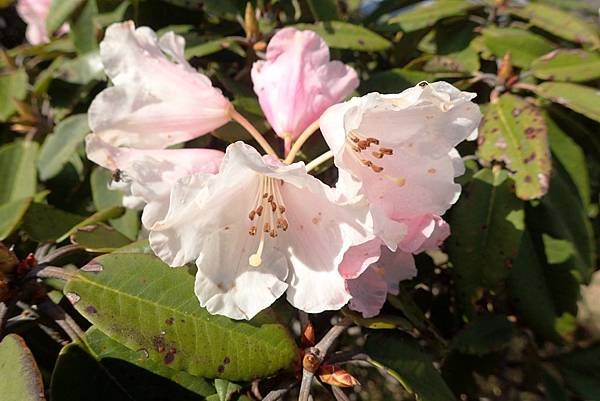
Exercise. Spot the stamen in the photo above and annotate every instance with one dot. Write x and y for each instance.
(252, 215)
(373, 140)
(376, 168)
(377, 155)
(259, 210)
(252, 231)
(387, 151)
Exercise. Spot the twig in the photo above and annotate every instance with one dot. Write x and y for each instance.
(50, 272)
(339, 394)
(315, 355)
(63, 319)
(347, 356)
(279, 393)
(255, 389)
(59, 253)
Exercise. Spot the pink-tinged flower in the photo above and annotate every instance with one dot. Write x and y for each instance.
(146, 176)
(400, 151)
(372, 271)
(157, 99)
(34, 13)
(257, 229)
(297, 82)
(423, 233)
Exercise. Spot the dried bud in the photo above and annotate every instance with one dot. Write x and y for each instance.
(250, 23)
(8, 260)
(260, 46)
(336, 376)
(310, 362)
(308, 336)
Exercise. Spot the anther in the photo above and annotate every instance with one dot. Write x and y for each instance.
(273, 233)
(377, 155)
(270, 199)
(354, 139)
(363, 144)
(387, 151)
(252, 231)
(366, 162)
(273, 206)
(252, 215)
(259, 210)
(281, 209)
(373, 140)
(267, 227)
(376, 168)
(356, 149)
(265, 195)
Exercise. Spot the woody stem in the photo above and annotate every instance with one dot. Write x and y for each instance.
(300, 141)
(240, 119)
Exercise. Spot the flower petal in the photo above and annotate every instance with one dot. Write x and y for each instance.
(297, 82)
(424, 233)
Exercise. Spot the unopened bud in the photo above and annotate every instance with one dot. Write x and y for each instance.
(505, 70)
(250, 23)
(336, 376)
(311, 362)
(8, 260)
(308, 336)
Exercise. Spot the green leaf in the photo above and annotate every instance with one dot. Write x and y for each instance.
(79, 376)
(403, 359)
(99, 238)
(104, 348)
(514, 132)
(13, 85)
(82, 27)
(581, 371)
(572, 158)
(324, 10)
(530, 293)
(343, 35)
(46, 223)
(174, 329)
(427, 14)
(61, 144)
(207, 47)
(487, 225)
(579, 98)
(226, 390)
(21, 378)
(100, 216)
(82, 69)
(574, 65)
(524, 46)
(103, 198)
(560, 23)
(464, 62)
(394, 80)
(17, 164)
(483, 335)
(11, 215)
(60, 12)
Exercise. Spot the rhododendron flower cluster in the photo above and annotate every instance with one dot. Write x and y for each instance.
(260, 225)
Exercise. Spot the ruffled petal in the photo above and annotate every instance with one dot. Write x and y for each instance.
(425, 232)
(297, 82)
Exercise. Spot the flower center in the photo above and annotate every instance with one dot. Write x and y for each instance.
(367, 152)
(268, 215)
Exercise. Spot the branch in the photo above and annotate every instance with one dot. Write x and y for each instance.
(59, 253)
(50, 272)
(63, 319)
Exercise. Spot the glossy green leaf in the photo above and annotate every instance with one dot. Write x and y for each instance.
(103, 198)
(17, 164)
(21, 378)
(487, 225)
(60, 12)
(104, 348)
(394, 80)
(61, 144)
(46, 223)
(464, 62)
(582, 99)
(100, 216)
(572, 158)
(343, 35)
(574, 65)
(581, 370)
(483, 335)
(324, 10)
(514, 132)
(560, 23)
(80, 376)
(13, 86)
(11, 215)
(403, 359)
(211, 46)
(524, 46)
(82, 27)
(99, 238)
(226, 390)
(156, 310)
(427, 14)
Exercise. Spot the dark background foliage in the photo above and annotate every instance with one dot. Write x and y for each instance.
(504, 311)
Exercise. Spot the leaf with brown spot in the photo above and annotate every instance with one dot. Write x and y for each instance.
(21, 378)
(514, 132)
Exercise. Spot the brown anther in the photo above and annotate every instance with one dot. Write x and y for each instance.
(373, 140)
(366, 162)
(259, 210)
(376, 168)
(281, 209)
(252, 215)
(356, 149)
(362, 144)
(284, 224)
(270, 198)
(267, 227)
(273, 233)
(354, 139)
(265, 195)
(273, 206)
(377, 155)
(387, 151)
(252, 231)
